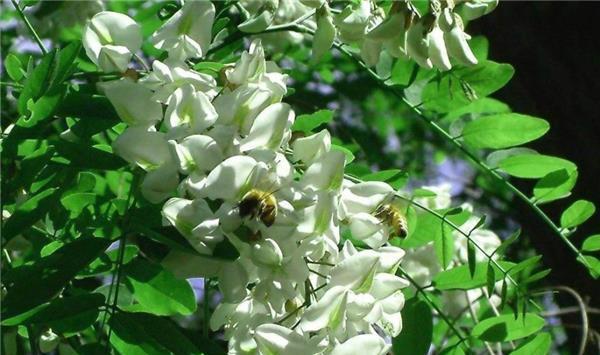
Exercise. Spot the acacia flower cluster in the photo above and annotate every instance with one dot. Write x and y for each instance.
(431, 40)
(221, 161)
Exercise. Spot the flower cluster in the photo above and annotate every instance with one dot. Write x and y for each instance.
(221, 159)
(431, 40)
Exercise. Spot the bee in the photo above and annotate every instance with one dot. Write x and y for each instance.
(393, 217)
(261, 204)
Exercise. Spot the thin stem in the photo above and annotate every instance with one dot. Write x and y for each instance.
(30, 27)
(582, 311)
(206, 307)
(433, 305)
(476, 320)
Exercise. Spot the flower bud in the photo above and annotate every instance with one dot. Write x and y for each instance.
(187, 34)
(110, 39)
(258, 23)
(473, 9)
(417, 44)
(48, 341)
(456, 41)
(438, 54)
(325, 33)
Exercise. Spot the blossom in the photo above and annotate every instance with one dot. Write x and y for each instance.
(110, 39)
(187, 34)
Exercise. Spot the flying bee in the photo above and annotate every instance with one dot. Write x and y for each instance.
(261, 204)
(393, 217)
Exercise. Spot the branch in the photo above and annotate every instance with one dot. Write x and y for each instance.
(30, 27)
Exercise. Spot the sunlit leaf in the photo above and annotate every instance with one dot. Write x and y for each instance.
(506, 327)
(579, 212)
(503, 130)
(591, 243)
(534, 166)
(417, 328)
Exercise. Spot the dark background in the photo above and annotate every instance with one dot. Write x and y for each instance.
(555, 49)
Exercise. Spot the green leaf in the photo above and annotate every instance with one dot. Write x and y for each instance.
(142, 333)
(459, 278)
(417, 328)
(29, 213)
(490, 278)
(555, 185)
(214, 67)
(503, 130)
(539, 345)
(347, 152)
(108, 261)
(37, 82)
(157, 290)
(534, 166)
(471, 259)
(76, 202)
(428, 228)
(65, 64)
(78, 155)
(395, 177)
(443, 243)
(44, 279)
(579, 212)
(591, 243)
(307, 123)
(64, 315)
(507, 242)
(482, 80)
(478, 107)
(593, 264)
(14, 67)
(506, 327)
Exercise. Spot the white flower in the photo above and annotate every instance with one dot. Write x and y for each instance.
(133, 102)
(198, 153)
(308, 149)
(189, 112)
(361, 345)
(187, 34)
(270, 129)
(147, 149)
(359, 205)
(273, 339)
(250, 67)
(195, 221)
(165, 78)
(325, 173)
(110, 39)
(352, 22)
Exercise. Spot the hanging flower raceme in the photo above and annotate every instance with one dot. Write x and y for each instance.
(222, 161)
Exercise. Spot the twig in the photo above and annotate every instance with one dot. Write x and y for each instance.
(582, 310)
(30, 27)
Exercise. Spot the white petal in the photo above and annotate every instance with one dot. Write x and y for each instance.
(189, 112)
(362, 344)
(232, 282)
(329, 311)
(229, 179)
(355, 272)
(161, 183)
(197, 152)
(145, 148)
(308, 149)
(114, 58)
(269, 128)
(326, 173)
(275, 339)
(363, 197)
(133, 102)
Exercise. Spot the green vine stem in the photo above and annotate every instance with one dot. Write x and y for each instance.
(30, 27)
